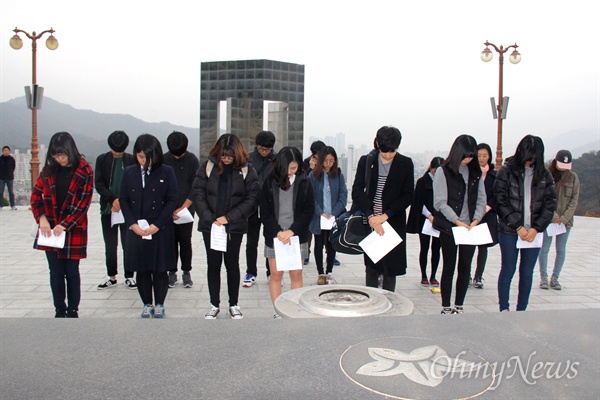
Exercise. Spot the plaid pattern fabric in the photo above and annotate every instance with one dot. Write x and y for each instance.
(72, 215)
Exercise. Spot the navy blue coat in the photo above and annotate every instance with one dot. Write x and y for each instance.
(155, 203)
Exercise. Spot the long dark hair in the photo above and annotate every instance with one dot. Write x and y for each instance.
(318, 170)
(556, 173)
(61, 143)
(530, 148)
(150, 146)
(464, 146)
(281, 163)
(486, 147)
(229, 145)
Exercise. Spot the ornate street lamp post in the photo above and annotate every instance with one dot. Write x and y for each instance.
(34, 95)
(501, 108)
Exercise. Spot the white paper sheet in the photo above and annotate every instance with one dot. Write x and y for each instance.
(556, 229)
(327, 223)
(377, 246)
(185, 217)
(476, 236)
(288, 256)
(143, 224)
(116, 218)
(52, 241)
(428, 229)
(218, 238)
(537, 242)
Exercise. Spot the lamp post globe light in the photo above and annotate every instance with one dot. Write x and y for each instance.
(34, 94)
(499, 111)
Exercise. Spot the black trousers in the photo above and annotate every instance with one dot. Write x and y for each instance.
(64, 270)
(232, 265)
(435, 254)
(465, 257)
(252, 238)
(149, 281)
(183, 246)
(111, 241)
(372, 272)
(321, 241)
(482, 254)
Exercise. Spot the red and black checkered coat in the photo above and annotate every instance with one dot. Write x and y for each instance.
(72, 215)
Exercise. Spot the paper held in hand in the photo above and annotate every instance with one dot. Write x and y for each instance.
(537, 242)
(218, 238)
(475, 236)
(288, 256)
(556, 229)
(143, 224)
(185, 217)
(116, 218)
(52, 241)
(376, 247)
(428, 229)
(327, 223)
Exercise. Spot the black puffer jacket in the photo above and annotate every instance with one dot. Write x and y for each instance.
(508, 196)
(242, 197)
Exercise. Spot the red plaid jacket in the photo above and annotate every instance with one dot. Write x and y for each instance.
(72, 215)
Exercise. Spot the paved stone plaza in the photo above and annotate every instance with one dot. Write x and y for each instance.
(25, 289)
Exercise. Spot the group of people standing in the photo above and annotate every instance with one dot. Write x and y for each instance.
(517, 203)
(149, 196)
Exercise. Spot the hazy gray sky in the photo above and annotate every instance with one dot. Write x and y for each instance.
(413, 64)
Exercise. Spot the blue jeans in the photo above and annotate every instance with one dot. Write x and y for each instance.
(62, 269)
(561, 253)
(510, 253)
(11, 194)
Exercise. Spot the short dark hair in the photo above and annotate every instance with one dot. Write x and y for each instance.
(61, 143)
(118, 141)
(388, 139)
(281, 163)
(177, 143)
(464, 146)
(316, 147)
(265, 139)
(5, 147)
(150, 146)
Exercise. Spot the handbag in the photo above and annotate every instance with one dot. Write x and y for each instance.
(350, 228)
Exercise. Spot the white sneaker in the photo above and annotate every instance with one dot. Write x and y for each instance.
(235, 312)
(212, 313)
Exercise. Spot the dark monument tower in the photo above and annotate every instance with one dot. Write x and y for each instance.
(246, 86)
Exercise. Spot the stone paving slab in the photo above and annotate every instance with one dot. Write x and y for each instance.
(24, 271)
(491, 355)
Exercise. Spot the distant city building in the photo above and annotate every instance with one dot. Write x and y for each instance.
(23, 165)
(241, 89)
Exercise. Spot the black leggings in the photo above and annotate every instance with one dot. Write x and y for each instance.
(435, 254)
(465, 256)
(151, 280)
(232, 265)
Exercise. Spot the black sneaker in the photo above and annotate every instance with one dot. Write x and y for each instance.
(172, 279)
(457, 310)
(131, 283)
(477, 283)
(60, 314)
(108, 283)
(187, 280)
(72, 314)
(336, 262)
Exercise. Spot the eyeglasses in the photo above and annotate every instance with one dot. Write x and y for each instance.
(227, 157)
(60, 155)
(263, 149)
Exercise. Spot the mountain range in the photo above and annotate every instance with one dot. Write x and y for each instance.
(89, 128)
